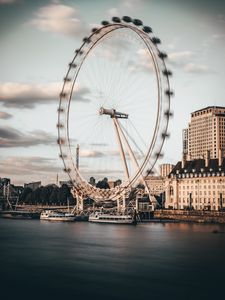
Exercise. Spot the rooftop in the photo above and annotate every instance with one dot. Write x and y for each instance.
(198, 166)
(209, 107)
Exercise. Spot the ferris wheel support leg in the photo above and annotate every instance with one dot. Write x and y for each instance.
(118, 206)
(131, 154)
(122, 154)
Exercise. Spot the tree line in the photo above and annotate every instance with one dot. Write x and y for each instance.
(47, 195)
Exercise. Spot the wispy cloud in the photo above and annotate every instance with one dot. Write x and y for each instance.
(198, 69)
(4, 115)
(24, 95)
(11, 138)
(91, 153)
(126, 7)
(185, 60)
(180, 58)
(7, 1)
(28, 169)
(59, 18)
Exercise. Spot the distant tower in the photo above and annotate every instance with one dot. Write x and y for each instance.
(77, 156)
(185, 143)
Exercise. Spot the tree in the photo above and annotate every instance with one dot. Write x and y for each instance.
(103, 184)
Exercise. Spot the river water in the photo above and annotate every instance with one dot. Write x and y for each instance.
(44, 260)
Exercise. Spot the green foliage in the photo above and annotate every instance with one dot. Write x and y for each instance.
(47, 195)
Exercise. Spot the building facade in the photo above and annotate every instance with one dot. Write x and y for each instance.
(196, 184)
(206, 132)
(165, 169)
(156, 184)
(32, 185)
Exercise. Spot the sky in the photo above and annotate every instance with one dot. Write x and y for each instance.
(37, 41)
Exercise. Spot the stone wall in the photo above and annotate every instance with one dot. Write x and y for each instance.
(190, 216)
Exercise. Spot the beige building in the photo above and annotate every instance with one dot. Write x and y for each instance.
(196, 184)
(156, 184)
(206, 132)
(165, 169)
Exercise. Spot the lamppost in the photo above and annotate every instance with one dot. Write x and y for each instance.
(198, 193)
(190, 201)
(221, 196)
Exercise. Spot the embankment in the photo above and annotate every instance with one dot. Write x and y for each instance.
(190, 216)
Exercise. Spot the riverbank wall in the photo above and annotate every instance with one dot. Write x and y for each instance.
(190, 216)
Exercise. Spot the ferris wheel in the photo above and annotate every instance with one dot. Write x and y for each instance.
(115, 106)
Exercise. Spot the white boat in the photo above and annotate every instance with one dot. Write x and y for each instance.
(52, 215)
(99, 217)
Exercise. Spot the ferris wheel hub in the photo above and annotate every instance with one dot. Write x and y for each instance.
(112, 113)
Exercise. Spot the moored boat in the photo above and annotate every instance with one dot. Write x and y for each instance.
(52, 215)
(99, 217)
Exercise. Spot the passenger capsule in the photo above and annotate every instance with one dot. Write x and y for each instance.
(150, 172)
(104, 23)
(67, 79)
(147, 29)
(127, 19)
(137, 22)
(169, 92)
(165, 135)
(168, 114)
(162, 55)
(61, 141)
(59, 125)
(155, 40)
(86, 40)
(116, 19)
(94, 29)
(158, 155)
(62, 95)
(167, 72)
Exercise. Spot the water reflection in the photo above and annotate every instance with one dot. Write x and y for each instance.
(112, 262)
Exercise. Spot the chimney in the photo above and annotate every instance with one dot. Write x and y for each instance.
(220, 158)
(207, 158)
(183, 161)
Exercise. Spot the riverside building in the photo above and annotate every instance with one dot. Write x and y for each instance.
(206, 132)
(197, 184)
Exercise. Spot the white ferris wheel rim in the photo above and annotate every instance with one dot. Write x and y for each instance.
(63, 129)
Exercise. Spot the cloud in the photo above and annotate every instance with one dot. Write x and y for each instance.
(26, 95)
(185, 61)
(7, 1)
(125, 7)
(11, 138)
(180, 58)
(218, 36)
(143, 63)
(28, 169)
(198, 69)
(59, 18)
(4, 115)
(28, 165)
(91, 153)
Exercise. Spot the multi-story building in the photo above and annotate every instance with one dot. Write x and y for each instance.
(196, 184)
(206, 132)
(156, 184)
(32, 185)
(165, 169)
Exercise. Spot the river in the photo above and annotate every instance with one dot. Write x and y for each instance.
(44, 260)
